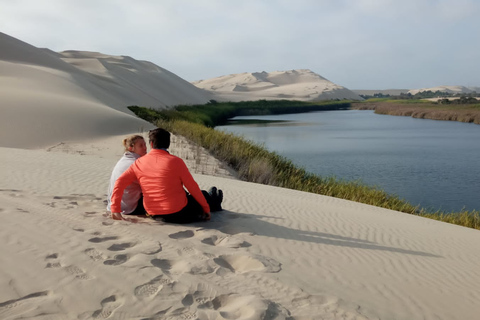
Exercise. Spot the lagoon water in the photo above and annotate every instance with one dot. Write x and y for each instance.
(432, 163)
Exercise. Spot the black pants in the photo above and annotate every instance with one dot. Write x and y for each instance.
(139, 210)
(192, 212)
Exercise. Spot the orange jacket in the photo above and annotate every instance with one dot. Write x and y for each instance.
(161, 177)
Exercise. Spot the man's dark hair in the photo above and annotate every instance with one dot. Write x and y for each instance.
(160, 138)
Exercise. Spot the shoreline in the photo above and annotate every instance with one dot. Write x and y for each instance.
(466, 113)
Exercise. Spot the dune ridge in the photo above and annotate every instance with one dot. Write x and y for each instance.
(302, 84)
(79, 94)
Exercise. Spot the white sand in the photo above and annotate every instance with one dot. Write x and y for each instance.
(76, 95)
(272, 254)
(300, 84)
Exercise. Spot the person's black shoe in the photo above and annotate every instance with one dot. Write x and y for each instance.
(213, 192)
(216, 199)
(219, 200)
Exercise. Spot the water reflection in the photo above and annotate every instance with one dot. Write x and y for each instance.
(427, 162)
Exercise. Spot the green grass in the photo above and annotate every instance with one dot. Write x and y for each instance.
(423, 109)
(256, 164)
(213, 114)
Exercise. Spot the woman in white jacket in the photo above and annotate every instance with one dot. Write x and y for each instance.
(132, 200)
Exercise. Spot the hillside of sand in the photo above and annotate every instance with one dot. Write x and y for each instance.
(74, 95)
(300, 84)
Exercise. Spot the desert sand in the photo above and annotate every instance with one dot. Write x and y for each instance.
(302, 84)
(273, 253)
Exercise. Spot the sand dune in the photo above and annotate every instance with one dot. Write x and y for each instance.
(447, 89)
(294, 84)
(77, 95)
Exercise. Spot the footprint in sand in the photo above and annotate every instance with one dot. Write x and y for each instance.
(78, 273)
(180, 266)
(102, 239)
(201, 294)
(151, 288)
(186, 251)
(226, 241)
(313, 300)
(109, 305)
(50, 204)
(246, 263)
(234, 306)
(94, 254)
(52, 263)
(117, 260)
(154, 249)
(121, 246)
(10, 190)
(15, 193)
(20, 305)
(182, 234)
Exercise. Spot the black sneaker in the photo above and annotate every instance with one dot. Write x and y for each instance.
(220, 199)
(213, 192)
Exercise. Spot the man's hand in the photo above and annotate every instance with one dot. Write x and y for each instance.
(207, 216)
(117, 216)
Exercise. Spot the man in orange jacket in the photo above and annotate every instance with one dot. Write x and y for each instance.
(162, 177)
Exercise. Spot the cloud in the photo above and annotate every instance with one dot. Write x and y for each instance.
(343, 40)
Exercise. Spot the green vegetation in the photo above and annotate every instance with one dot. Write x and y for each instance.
(256, 164)
(421, 95)
(424, 109)
(215, 113)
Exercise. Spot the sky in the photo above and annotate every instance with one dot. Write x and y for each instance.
(358, 44)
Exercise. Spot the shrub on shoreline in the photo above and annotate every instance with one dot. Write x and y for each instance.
(256, 164)
(422, 109)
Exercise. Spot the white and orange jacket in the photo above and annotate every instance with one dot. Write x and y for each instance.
(162, 177)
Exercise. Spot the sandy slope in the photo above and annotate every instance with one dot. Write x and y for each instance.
(272, 254)
(76, 95)
(294, 84)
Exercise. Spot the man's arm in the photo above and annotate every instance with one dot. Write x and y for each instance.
(192, 186)
(122, 182)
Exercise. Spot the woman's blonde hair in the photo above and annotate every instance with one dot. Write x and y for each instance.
(131, 140)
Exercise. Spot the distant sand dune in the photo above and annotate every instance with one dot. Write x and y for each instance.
(448, 89)
(294, 84)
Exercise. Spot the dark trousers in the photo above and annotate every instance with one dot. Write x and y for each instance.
(139, 210)
(192, 212)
